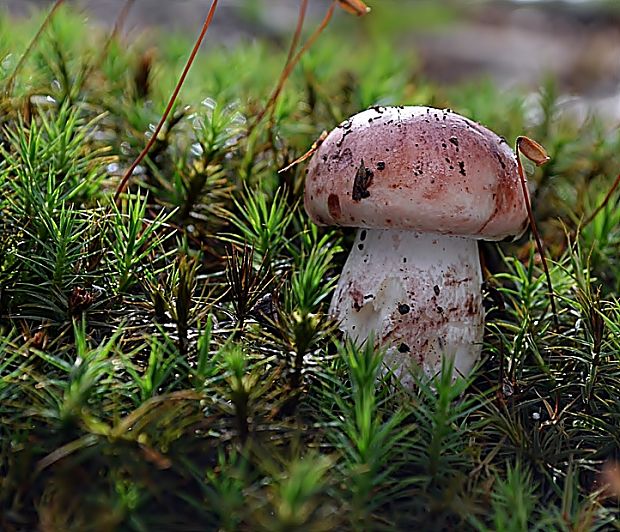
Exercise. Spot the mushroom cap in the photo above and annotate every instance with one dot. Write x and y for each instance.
(417, 168)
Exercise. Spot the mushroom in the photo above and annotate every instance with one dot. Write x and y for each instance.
(422, 185)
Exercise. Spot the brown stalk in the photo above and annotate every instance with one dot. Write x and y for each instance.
(11, 81)
(291, 64)
(300, 26)
(613, 188)
(121, 18)
(315, 146)
(524, 146)
(123, 184)
(94, 65)
(291, 51)
(116, 29)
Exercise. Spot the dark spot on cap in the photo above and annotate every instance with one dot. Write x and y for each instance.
(333, 205)
(360, 247)
(381, 165)
(462, 168)
(403, 308)
(361, 183)
(363, 234)
(454, 141)
(436, 290)
(439, 309)
(404, 348)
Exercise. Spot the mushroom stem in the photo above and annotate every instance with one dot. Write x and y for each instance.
(420, 295)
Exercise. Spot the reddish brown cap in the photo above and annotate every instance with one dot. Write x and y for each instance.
(418, 168)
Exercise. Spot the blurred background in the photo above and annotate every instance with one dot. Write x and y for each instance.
(511, 42)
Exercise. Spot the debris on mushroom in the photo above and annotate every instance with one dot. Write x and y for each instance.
(422, 185)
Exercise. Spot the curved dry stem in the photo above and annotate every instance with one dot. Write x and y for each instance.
(291, 51)
(8, 89)
(118, 24)
(121, 18)
(290, 66)
(289, 57)
(300, 26)
(123, 184)
(528, 143)
(315, 146)
(603, 204)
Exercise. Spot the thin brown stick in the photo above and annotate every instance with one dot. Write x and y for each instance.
(121, 18)
(8, 89)
(536, 234)
(311, 40)
(298, 29)
(613, 188)
(123, 184)
(118, 24)
(315, 146)
(290, 66)
(291, 52)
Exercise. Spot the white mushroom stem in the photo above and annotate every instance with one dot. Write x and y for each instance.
(420, 294)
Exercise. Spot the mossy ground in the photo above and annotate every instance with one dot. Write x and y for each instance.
(168, 364)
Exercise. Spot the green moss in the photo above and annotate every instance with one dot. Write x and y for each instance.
(169, 364)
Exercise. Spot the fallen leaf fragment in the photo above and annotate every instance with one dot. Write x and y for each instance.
(355, 7)
(532, 150)
(310, 152)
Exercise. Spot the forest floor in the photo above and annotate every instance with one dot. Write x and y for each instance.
(168, 361)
